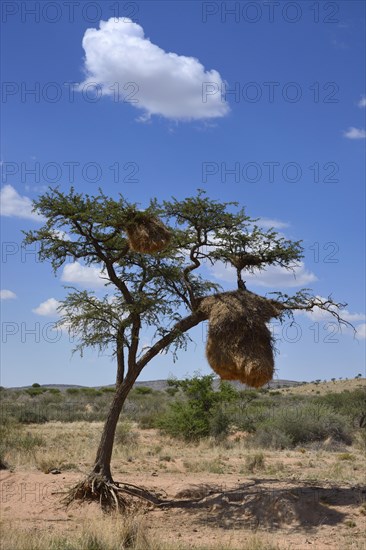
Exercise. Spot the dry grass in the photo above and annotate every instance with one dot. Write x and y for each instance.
(109, 533)
(112, 533)
(61, 446)
(72, 447)
(338, 386)
(174, 463)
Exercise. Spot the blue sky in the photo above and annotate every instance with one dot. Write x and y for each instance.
(264, 106)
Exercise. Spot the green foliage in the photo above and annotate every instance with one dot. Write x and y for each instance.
(91, 392)
(33, 391)
(142, 390)
(152, 289)
(199, 413)
(108, 389)
(172, 391)
(308, 422)
(73, 391)
(348, 403)
(27, 416)
(36, 385)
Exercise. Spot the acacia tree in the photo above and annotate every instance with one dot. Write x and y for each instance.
(161, 291)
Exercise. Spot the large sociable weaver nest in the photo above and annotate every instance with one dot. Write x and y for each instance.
(239, 344)
(147, 234)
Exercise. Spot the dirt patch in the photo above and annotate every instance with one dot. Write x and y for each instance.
(205, 511)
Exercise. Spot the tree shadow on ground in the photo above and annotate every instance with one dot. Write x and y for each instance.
(269, 504)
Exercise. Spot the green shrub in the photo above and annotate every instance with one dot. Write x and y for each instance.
(172, 391)
(348, 403)
(31, 417)
(108, 389)
(219, 424)
(305, 423)
(142, 390)
(270, 437)
(36, 385)
(35, 391)
(73, 391)
(200, 411)
(91, 392)
(148, 421)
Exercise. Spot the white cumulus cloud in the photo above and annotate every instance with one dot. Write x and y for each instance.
(268, 223)
(82, 275)
(273, 276)
(129, 67)
(362, 102)
(355, 133)
(47, 308)
(15, 205)
(321, 316)
(7, 294)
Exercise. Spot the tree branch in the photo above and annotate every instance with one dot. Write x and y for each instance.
(182, 326)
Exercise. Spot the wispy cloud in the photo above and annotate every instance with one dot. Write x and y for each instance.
(7, 294)
(362, 102)
(15, 205)
(130, 68)
(361, 331)
(272, 277)
(355, 133)
(268, 223)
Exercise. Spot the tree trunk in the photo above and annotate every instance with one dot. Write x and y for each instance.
(102, 464)
(104, 454)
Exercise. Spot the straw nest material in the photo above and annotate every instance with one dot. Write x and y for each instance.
(147, 234)
(239, 344)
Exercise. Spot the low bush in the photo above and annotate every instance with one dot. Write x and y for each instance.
(200, 412)
(347, 403)
(305, 423)
(254, 462)
(33, 392)
(27, 416)
(142, 390)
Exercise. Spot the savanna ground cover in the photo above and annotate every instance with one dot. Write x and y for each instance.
(247, 469)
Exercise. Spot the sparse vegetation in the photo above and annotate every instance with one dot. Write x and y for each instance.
(193, 410)
(67, 447)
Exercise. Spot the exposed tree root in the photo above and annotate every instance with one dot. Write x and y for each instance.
(110, 495)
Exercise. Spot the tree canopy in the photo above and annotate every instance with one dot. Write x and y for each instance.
(155, 290)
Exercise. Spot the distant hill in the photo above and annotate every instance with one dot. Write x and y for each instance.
(163, 384)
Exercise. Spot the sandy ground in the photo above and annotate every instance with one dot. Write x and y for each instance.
(293, 515)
